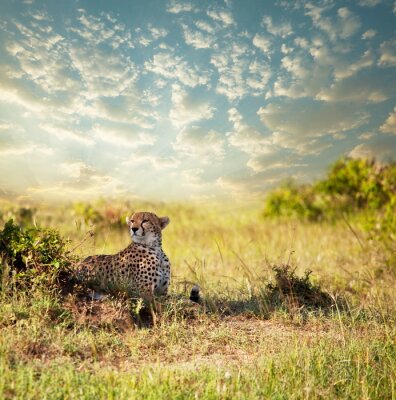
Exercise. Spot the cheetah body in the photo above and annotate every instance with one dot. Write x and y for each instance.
(142, 268)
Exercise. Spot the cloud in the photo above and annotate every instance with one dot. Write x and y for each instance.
(177, 7)
(298, 126)
(246, 138)
(304, 77)
(205, 26)
(361, 88)
(193, 177)
(197, 39)
(259, 74)
(126, 108)
(343, 26)
(13, 142)
(282, 29)
(65, 133)
(199, 143)
(170, 66)
(187, 107)
(275, 161)
(158, 162)
(351, 68)
(102, 74)
(369, 3)
(247, 186)
(262, 42)
(221, 15)
(241, 71)
(388, 53)
(17, 91)
(389, 126)
(369, 34)
(382, 148)
(122, 135)
(82, 181)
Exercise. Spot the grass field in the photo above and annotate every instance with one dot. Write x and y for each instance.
(237, 344)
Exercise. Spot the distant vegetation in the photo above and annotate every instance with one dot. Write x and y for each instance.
(356, 189)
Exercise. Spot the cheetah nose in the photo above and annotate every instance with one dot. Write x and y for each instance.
(135, 230)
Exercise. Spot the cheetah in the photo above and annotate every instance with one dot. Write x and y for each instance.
(141, 269)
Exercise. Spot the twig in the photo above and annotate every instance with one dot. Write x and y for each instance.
(90, 233)
(353, 231)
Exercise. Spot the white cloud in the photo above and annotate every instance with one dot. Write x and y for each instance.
(369, 34)
(193, 177)
(223, 16)
(16, 91)
(298, 126)
(282, 29)
(198, 39)
(103, 74)
(241, 71)
(271, 162)
(382, 148)
(14, 143)
(373, 88)
(131, 107)
(262, 42)
(369, 3)
(122, 135)
(366, 135)
(343, 26)
(388, 53)
(246, 138)
(304, 77)
(63, 132)
(366, 61)
(249, 186)
(26, 148)
(205, 26)
(187, 108)
(157, 33)
(82, 181)
(199, 143)
(170, 66)
(389, 126)
(158, 162)
(176, 7)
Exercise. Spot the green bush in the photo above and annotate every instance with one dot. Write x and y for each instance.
(291, 200)
(349, 187)
(33, 255)
(357, 187)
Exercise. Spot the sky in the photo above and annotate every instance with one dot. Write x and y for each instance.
(190, 100)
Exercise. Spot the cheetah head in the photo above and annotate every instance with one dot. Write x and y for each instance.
(145, 228)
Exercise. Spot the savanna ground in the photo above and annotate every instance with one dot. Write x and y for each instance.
(248, 339)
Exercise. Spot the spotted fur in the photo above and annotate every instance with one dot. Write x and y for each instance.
(140, 269)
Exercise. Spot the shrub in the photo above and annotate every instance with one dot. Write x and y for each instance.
(293, 291)
(352, 186)
(291, 200)
(33, 256)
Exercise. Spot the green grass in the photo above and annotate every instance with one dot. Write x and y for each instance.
(238, 344)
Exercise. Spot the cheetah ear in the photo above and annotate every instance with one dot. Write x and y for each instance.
(164, 221)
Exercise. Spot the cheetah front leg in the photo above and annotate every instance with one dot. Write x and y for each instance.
(146, 292)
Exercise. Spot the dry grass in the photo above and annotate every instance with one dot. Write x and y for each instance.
(239, 343)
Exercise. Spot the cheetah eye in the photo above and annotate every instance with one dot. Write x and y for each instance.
(144, 221)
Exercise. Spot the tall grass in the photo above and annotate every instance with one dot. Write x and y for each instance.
(239, 343)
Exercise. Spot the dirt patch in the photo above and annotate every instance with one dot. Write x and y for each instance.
(107, 313)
